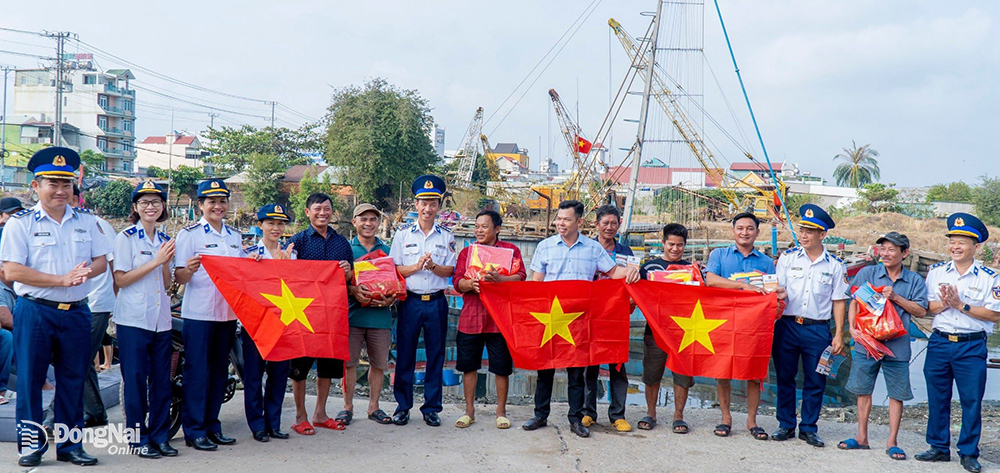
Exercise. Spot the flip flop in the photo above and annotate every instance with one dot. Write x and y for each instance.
(851, 444)
(680, 427)
(304, 428)
(759, 433)
(725, 429)
(896, 453)
(331, 424)
(646, 423)
(381, 417)
(503, 422)
(622, 425)
(344, 417)
(464, 422)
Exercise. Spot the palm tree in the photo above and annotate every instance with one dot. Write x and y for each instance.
(859, 166)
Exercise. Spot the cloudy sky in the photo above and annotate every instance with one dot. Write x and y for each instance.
(912, 78)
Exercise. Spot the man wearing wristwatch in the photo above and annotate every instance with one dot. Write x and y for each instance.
(964, 298)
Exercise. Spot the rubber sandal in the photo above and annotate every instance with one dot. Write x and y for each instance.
(464, 422)
(893, 451)
(304, 428)
(759, 433)
(646, 423)
(680, 427)
(725, 429)
(622, 425)
(332, 424)
(381, 417)
(344, 417)
(503, 423)
(851, 444)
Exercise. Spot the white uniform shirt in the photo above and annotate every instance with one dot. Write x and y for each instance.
(812, 286)
(978, 287)
(202, 301)
(410, 243)
(34, 239)
(102, 290)
(260, 249)
(143, 304)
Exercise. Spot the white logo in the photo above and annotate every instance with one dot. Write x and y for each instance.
(31, 437)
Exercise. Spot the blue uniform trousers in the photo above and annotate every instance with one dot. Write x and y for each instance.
(206, 371)
(44, 335)
(792, 342)
(145, 363)
(262, 404)
(432, 317)
(963, 363)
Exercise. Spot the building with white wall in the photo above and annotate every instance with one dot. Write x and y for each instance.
(169, 151)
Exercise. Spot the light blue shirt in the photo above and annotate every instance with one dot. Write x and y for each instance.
(725, 262)
(560, 262)
(143, 304)
(909, 286)
(410, 243)
(812, 286)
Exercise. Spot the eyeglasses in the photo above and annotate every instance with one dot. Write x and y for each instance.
(146, 203)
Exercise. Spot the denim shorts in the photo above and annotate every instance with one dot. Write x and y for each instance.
(864, 371)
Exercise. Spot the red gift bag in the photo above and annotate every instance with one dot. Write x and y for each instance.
(376, 272)
(485, 258)
(881, 327)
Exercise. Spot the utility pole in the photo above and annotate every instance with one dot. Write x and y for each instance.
(170, 149)
(633, 179)
(3, 129)
(211, 118)
(60, 37)
(272, 115)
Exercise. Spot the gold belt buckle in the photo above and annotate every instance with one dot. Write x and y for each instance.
(799, 320)
(425, 297)
(63, 306)
(952, 338)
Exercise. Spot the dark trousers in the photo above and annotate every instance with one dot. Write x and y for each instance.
(432, 317)
(144, 356)
(618, 382)
(93, 406)
(575, 393)
(262, 403)
(793, 342)
(45, 335)
(206, 371)
(963, 363)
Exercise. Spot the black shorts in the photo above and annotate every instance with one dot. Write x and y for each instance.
(325, 368)
(470, 353)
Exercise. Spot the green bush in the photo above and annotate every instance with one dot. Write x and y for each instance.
(114, 200)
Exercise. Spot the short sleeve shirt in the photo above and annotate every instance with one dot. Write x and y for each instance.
(909, 286)
(311, 245)
(724, 262)
(102, 290)
(410, 243)
(202, 300)
(34, 239)
(357, 314)
(560, 262)
(812, 286)
(979, 286)
(657, 264)
(474, 318)
(143, 304)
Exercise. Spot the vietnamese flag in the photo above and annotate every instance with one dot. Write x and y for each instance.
(582, 145)
(710, 332)
(290, 308)
(561, 324)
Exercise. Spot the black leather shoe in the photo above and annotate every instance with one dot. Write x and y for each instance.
(278, 434)
(812, 438)
(401, 418)
(166, 450)
(432, 419)
(31, 459)
(219, 438)
(535, 423)
(261, 436)
(783, 434)
(971, 464)
(579, 429)
(77, 457)
(933, 455)
(147, 451)
(91, 421)
(201, 443)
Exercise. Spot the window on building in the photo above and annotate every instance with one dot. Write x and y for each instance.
(127, 125)
(102, 144)
(102, 122)
(127, 146)
(89, 79)
(127, 105)
(102, 100)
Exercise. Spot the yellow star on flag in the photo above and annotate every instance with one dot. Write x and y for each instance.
(697, 328)
(292, 308)
(556, 322)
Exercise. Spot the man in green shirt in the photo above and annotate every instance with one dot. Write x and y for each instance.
(370, 324)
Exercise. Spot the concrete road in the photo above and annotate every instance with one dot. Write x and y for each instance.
(367, 446)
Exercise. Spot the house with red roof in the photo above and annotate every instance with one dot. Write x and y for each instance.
(169, 151)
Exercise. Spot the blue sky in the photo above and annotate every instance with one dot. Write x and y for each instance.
(912, 78)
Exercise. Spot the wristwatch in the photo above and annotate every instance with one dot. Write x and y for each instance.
(966, 308)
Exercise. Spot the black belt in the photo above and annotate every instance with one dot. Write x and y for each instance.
(426, 297)
(57, 305)
(805, 321)
(961, 337)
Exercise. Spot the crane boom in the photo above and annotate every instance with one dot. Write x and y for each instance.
(468, 152)
(570, 129)
(500, 191)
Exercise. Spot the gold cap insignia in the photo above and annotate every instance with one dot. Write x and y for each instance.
(148, 185)
(959, 222)
(809, 213)
(277, 208)
(59, 160)
(214, 185)
(428, 184)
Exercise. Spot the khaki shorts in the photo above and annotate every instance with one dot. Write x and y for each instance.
(376, 341)
(654, 361)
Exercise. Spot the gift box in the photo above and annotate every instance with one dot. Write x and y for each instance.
(376, 273)
(677, 274)
(485, 258)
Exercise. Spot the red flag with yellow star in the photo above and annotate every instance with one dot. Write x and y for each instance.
(290, 308)
(710, 332)
(582, 145)
(561, 324)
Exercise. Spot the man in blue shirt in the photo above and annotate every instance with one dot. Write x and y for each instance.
(742, 257)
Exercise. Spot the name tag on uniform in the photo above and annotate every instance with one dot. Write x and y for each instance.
(79, 230)
(795, 272)
(144, 252)
(212, 245)
(234, 246)
(411, 249)
(42, 234)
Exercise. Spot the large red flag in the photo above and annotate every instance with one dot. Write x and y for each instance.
(582, 145)
(710, 332)
(561, 324)
(290, 308)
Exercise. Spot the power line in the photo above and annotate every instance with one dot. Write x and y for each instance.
(15, 53)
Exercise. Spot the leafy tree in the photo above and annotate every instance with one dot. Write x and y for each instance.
(986, 201)
(92, 162)
(380, 134)
(261, 187)
(309, 184)
(859, 166)
(951, 192)
(183, 180)
(114, 200)
(231, 148)
(878, 198)
(794, 201)
(156, 172)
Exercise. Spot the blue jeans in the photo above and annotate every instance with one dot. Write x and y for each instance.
(6, 356)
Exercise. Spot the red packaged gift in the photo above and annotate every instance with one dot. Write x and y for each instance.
(678, 274)
(484, 258)
(376, 273)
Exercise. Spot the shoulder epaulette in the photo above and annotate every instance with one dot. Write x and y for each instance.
(445, 228)
(130, 231)
(989, 270)
(405, 227)
(939, 264)
(163, 236)
(836, 258)
(22, 213)
(82, 210)
(791, 250)
(250, 249)
(191, 227)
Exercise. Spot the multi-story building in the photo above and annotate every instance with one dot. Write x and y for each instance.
(169, 151)
(100, 104)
